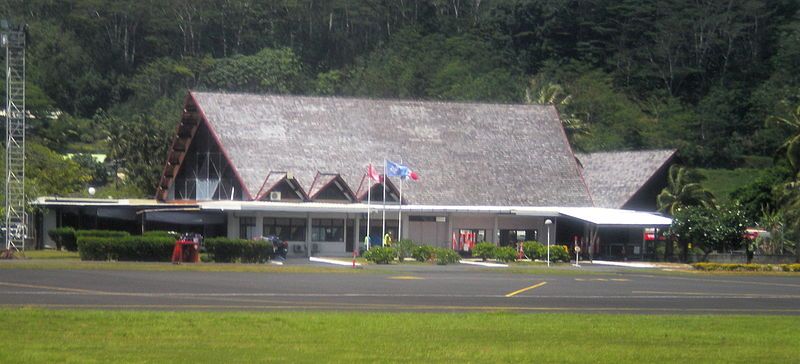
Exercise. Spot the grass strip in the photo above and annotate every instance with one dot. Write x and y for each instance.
(36, 335)
(55, 264)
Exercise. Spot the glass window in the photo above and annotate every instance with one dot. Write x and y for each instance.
(286, 229)
(480, 234)
(512, 237)
(247, 227)
(327, 230)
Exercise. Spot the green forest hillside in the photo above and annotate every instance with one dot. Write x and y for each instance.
(705, 77)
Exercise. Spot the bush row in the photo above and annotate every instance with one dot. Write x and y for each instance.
(485, 250)
(735, 267)
(421, 253)
(536, 250)
(224, 250)
(64, 237)
(67, 237)
(135, 248)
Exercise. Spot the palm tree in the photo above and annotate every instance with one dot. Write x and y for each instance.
(792, 144)
(547, 93)
(789, 192)
(682, 190)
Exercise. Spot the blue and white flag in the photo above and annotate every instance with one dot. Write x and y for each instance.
(397, 170)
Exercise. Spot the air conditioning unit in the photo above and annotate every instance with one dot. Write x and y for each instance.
(275, 196)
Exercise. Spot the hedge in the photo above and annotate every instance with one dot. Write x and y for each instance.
(64, 237)
(422, 253)
(224, 250)
(380, 255)
(67, 237)
(505, 254)
(162, 233)
(446, 256)
(131, 248)
(735, 267)
(102, 233)
(484, 250)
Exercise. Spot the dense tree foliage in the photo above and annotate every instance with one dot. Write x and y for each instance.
(709, 228)
(702, 77)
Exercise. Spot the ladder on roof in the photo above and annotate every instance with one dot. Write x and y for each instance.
(16, 218)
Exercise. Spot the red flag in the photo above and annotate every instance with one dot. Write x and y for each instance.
(373, 174)
(414, 176)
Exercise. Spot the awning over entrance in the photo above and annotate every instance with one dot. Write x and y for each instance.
(603, 217)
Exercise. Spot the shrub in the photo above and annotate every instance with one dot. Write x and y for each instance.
(484, 250)
(132, 248)
(505, 254)
(735, 267)
(446, 256)
(422, 253)
(380, 255)
(64, 237)
(102, 233)
(162, 233)
(558, 253)
(534, 250)
(791, 267)
(404, 248)
(224, 250)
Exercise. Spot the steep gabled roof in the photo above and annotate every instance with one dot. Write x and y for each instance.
(323, 181)
(363, 190)
(275, 179)
(615, 177)
(465, 153)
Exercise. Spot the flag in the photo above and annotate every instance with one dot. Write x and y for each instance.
(396, 170)
(373, 174)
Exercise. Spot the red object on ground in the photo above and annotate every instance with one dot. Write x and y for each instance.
(186, 251)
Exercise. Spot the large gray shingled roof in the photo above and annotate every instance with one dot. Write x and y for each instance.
(614, 177)
(464, 153)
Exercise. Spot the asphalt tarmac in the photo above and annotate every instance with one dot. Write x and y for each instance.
(406, 288)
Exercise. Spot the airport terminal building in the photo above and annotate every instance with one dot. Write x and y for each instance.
(247, 165)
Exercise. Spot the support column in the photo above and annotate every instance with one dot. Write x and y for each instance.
(233, 226)
(405, 224)
(308, 235)
(495, 232)
(259, 224)
(357, 234)
(448, 241)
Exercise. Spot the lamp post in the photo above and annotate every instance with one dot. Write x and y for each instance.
(548, 222)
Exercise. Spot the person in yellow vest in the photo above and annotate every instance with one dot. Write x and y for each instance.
(387, 239)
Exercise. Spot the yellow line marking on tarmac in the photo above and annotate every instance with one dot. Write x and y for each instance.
(512, 294)
(406, 278)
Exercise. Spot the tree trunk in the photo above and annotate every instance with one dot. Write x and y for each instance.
(668, 244)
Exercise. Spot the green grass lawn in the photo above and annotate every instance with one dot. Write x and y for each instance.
(49, 254)
(721, 182)
(34, 335)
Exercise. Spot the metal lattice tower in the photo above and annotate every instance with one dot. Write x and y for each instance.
(16, 217)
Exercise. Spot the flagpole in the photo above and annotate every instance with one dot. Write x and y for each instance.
(400, 212)
(383, 227)
(400, 208)
(369, 198)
